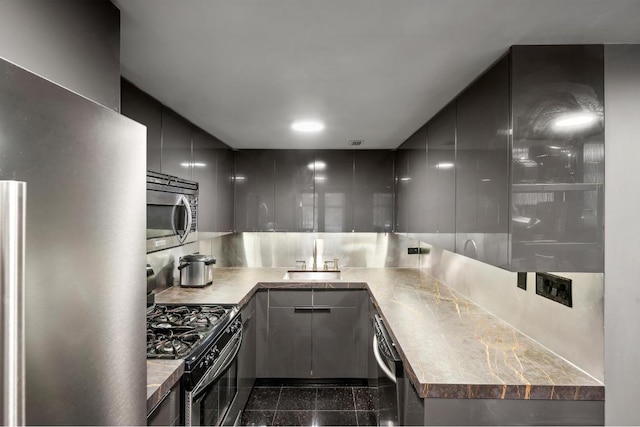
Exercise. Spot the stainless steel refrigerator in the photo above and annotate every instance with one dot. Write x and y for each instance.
(84, 165)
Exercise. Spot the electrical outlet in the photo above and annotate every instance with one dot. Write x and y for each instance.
(522, 281)
(416, 251)
(554, 287)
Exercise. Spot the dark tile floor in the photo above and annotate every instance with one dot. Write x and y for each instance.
(322, 405)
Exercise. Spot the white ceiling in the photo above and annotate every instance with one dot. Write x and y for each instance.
(375, 70)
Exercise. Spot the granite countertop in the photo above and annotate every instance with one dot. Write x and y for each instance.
(162, 374)
(451, 347)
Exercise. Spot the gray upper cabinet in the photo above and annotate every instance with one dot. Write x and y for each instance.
(373, 191)
(334, 190)
(176, 145)
(440, 188)
(254, 190)
(303, 190)
(144, 109)
(294, 191)
(482, 167)
(224, 189)
(411, 178)
(211, 202)
(558, 158)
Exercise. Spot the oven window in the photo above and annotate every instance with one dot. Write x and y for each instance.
(216, 399)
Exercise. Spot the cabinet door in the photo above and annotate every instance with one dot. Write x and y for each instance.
(440, 185)
(224, 189)
(373, 191)
(289, 346)
(558, 158)
(334, 343)
(294, 191)
(334, 190)
(204, 172)
(482, 167)
(142, 108)
(176, 145)
(411, 179)
(254, 188)
(340, 333)
(402, 189)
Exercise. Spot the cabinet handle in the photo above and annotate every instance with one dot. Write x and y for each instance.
(305, 308)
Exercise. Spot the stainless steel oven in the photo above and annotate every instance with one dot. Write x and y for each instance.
(172, 211)
(208, 401)
(208, 338)
(390, 376)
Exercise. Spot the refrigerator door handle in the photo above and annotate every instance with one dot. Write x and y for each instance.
(13, 196)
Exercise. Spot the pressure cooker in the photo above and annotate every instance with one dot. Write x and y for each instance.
(196, 271)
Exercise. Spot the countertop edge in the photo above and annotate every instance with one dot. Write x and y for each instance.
(167, 375)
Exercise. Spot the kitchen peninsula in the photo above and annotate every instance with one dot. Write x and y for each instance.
(452, 349)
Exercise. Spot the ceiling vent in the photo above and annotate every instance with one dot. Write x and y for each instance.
(355, 142)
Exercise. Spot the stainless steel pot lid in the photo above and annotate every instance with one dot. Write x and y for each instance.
(207, 259)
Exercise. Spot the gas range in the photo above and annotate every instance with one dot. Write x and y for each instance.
(195, 333)
(208, 338)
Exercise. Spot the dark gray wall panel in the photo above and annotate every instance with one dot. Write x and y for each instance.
(73, 43)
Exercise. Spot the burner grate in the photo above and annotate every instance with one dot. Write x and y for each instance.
(173, 332)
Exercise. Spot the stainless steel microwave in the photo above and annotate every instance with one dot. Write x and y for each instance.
(172, 211)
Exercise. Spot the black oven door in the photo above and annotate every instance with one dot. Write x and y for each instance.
(209, 401)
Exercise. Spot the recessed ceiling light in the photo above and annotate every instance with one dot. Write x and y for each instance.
(307, 126)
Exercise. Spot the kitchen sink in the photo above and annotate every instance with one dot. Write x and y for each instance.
(313, 275)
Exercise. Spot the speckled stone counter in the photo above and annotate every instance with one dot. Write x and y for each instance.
(451, 347)
(162, 374)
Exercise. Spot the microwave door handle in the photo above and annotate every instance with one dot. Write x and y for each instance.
(182, 237)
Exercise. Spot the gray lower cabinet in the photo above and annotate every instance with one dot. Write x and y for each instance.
(314, 334)
(167, 413)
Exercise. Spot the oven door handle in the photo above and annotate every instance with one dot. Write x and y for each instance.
(383, 366)
(228, 354)
(182, 201)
